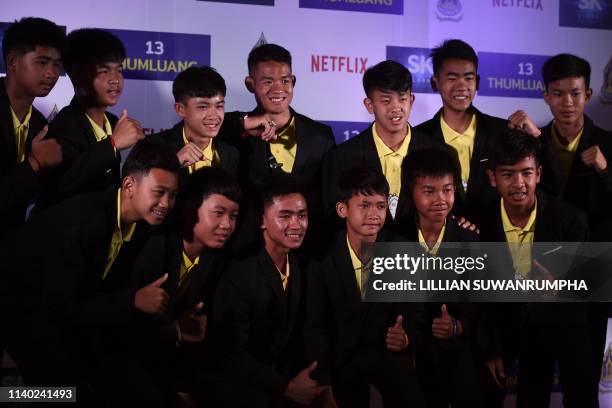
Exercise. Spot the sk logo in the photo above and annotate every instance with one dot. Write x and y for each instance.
(449, 10)
(606, 87)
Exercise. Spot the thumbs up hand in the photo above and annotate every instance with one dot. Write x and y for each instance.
(152, 299)
(302, 389)
(446, 326)
(45, 153)
(127, 132)
(397, 339)
(193, 327)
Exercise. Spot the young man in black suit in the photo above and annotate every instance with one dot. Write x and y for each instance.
(31, 50)
(580, 153)
(386, 142)
(360, 344)
(199, 99)
(91, 138)
(192, 253)
(299, 144)
(537, 334)
(446, 362)
(257, 311)
(459, 124)
(67, 294)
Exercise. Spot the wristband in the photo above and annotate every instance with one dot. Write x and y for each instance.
(242, 118)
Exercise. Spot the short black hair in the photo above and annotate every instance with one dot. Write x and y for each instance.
(431, 161)
(268, 52)
(566, 66)
(510, 147)
(277, 184)
(25, 35)
(146, 155)
(87, 47)
(198, 82)
(387, 76)
(452, 49)
(361, 180)
(208, 181)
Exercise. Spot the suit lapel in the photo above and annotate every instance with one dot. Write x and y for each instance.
(480, 142)
(6, 123)
(272, 277)
(303, 145)
(344, 268)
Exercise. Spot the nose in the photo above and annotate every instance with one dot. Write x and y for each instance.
(567, 99)
(225, 222)
(518, 179)
(165, 201)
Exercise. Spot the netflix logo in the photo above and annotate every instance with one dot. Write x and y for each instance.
(337, 63)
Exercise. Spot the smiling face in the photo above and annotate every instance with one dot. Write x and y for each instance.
(434, 197)
(108, 83)
(364, 214)
(150, 196)
(456, 82)
(217, 217)
(36, 71)
(285, 222)
(517, 183)
(391, 110)
(567, 99)
(202, 116)
(272, 83)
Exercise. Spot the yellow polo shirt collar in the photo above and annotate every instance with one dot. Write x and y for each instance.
(209, 156)
(520, 240)
(100, 133)
(21, 133)
(284, 148)
(121, 234)
(463, 143)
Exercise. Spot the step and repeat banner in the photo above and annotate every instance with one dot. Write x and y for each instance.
(332, 43)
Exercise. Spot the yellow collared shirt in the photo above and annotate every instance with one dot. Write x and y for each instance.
(21, 133)
(463, 143)
(186, 266)
(434, 249)
(121, 234)
(210, 156)
(520, 240)
(565, 154)
(284, 148)
(391, 163)
(357, 265)
(99, 133)
(285, 276)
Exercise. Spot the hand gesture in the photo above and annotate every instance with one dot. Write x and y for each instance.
(302, 389)
(127, 132)
(193, 328)
(520, 121)
(189, 154)
(397, 340)
(593, 157)
(45, 153)
(152, 299)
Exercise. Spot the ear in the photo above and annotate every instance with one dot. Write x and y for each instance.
(433, 81)
(179, 108)
(128, 184)
(249, 83)
(293, 79)
(588, 95)
(11, 62)
(546, 97)
(412, 98)
(491, 176)
(367, 102)
(538, 173)
(477, 82)
(341, 209)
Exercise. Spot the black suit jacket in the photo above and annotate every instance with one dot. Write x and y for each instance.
(556, 221)
(340, 328)
(87, 165)
(361, 150)
(18, 182)
(61, 254)
(586, 189)
(173, 138)
(256, 325)
(479, 191)
(314, 140)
